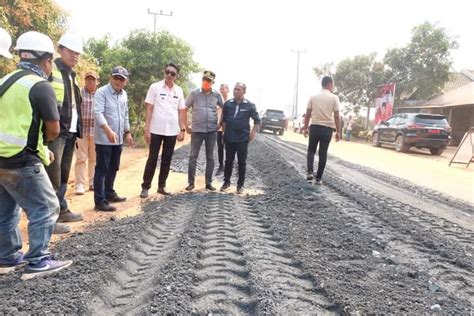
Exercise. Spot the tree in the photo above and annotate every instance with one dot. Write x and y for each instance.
(145, 55)
(423, 66)
(20, 16)
(356, 80)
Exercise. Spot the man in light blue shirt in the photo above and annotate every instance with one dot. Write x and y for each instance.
(111, 130)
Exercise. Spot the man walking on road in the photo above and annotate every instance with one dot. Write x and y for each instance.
(224, 90)
(164, 102)
(237, 135)
(68, 96)
(204, 102)
(85, 146)
(111, 130)
(29, 119)
(323, 109)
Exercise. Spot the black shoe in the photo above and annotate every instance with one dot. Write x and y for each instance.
(240, 190)
(210, 187)
(116, 199)
(310, 176)
(68, 216)
(190, 187)
(104, 207)
(144, 193)
(225, 186)
(163, 191)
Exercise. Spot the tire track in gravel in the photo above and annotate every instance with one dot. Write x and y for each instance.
(130, 288)
(409, 236)
(293, 290)
(224, 286)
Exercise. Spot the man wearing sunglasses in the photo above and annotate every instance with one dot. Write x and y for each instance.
(163, 102)
(204, 102)
(111, 130)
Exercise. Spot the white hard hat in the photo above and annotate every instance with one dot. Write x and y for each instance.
(35, 41)
(5, 43)
(71, 41)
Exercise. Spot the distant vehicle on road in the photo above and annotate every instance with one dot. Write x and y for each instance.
(298, 123)
(405, 130)
(273, 120)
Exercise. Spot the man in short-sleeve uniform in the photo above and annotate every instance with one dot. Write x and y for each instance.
(163, 101)
(203, 102)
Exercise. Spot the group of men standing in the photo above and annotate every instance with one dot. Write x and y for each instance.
(45, 117)
(213, 122)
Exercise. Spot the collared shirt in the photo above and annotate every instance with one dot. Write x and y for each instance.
(166, 105)
(87, 111)
(204, 111)
(111, 108)
(236, 117)
(219, 112)
(323, 105)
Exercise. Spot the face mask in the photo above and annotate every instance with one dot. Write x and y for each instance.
(206, 85)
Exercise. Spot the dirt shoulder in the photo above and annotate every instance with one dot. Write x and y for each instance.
(417, 166)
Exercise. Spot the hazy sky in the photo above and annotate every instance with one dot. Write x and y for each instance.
(254, 41)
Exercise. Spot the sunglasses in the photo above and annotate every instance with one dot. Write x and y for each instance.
(171, 73)
(119, 78)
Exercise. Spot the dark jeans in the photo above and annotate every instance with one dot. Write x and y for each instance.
(58, 171)
(166, 154)
(106, 167)
(322, 135)
(220, 149)
(241, 148)
(196, 142)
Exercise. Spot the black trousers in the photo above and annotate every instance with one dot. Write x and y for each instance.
(220, 149)
(321, 135)
(231, 149)
(166, 154)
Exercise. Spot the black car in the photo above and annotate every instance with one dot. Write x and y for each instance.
(405, 130)
(273, 120)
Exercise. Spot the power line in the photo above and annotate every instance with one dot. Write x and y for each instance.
(155, 14)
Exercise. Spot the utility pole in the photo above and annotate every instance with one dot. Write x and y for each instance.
(295, 104)
(155, 14)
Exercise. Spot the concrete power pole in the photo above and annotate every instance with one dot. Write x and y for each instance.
(295, 104)
(155, 14)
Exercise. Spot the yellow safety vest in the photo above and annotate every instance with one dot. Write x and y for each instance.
(56, 80)
(16, 115)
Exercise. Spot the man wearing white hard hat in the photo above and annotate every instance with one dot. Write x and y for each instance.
(5, 43)
(29, 119)
(68, 96)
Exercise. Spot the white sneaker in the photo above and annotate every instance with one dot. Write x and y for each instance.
(80, 189)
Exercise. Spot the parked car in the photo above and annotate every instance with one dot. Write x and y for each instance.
(273, 120)
(298, 123)
(405, 130)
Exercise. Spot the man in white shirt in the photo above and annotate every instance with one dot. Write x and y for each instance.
(163, 101)
(323, 109)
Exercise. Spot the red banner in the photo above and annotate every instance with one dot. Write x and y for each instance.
(384, 102)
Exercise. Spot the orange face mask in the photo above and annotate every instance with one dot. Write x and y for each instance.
(206, 85)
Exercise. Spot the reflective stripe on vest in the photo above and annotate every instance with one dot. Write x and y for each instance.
(16, 115)
(56, 80)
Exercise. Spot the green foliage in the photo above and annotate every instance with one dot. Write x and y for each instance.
(145, 55)
(423, 65)
(20, 16)
(357, 79)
